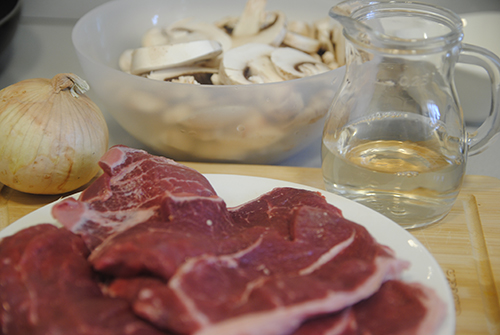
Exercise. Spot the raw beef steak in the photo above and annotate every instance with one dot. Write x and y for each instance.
(206, 226)
(272, 286)
(397, 308)
(130, 191)
(276, 208)
(159, 248)
(48, 287)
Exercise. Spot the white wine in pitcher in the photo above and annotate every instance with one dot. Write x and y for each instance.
(368, 162)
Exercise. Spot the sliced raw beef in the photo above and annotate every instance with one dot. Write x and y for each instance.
(48, 287)
(275, 284)
(275, 208)
(155, 248)
(130, 191)
(206, 226)
(397, 308)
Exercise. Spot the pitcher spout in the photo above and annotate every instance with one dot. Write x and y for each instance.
(343, 11)
(391, 25)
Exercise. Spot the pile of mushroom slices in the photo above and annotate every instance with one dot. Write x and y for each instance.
(256, 47)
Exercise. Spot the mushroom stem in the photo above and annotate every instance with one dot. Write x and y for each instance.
(251, 18)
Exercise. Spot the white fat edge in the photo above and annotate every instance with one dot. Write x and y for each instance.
(328, 256)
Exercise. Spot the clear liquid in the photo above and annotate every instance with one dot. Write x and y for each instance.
(413, 181)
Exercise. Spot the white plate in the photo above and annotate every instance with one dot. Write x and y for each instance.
(235, 190)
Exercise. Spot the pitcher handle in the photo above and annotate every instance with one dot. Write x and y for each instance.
(474, 55)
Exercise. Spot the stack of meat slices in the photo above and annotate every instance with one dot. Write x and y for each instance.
(154, 233)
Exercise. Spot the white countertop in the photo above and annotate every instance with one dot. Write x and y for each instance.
(42, 47)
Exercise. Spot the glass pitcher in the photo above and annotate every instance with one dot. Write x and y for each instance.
(394, 138)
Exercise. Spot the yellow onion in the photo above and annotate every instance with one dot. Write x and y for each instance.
(51, 135)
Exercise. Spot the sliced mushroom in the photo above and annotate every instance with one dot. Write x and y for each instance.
(215, 79)
(272, 31)
(300, 27)
(329, 59)
(317, 57)
(153, 37)
(339, 42)
(188, 44)
(186, 80)
(301, 42)
(167, 56)
(188, 30)
(250, 21)
(236, 66)
(329, 34)
(227, 24)
(261, 70)
(291, 63)
(200, 74)
(184, 36)
(125, 60)
(323, 30)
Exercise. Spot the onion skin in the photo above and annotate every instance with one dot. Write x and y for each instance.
(51, 135)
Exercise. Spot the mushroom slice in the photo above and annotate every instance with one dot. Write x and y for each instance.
(125, 60)
(338, 40)
(227, 24)
(188, 30)
(300, 27)
(250, 20)
(199, 74)
(329, 34)
(154, 36)
(235, 68)
(329, 59)
(324, 32)
(215, 79)
(167, 56)
(261, 70)
(301, 42)
(272, 31)
(291, 63)
(186, 80)
(184, 36)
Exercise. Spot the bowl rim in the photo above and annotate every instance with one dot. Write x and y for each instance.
(82, 53)
(13, 12)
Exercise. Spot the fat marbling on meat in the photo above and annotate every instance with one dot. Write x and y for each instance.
(205, 226)
(130, 191)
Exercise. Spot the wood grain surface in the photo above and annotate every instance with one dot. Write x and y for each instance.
(466, 243)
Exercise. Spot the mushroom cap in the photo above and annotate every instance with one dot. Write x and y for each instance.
(249, 23)
(173, 55)
(272, 33)
(154, 36)
(200, 30)
(200, 74)
(301, 42)
(125, 60)
(235, 63)
(292, 63)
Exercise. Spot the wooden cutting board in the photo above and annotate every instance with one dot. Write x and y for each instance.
(466, 243)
